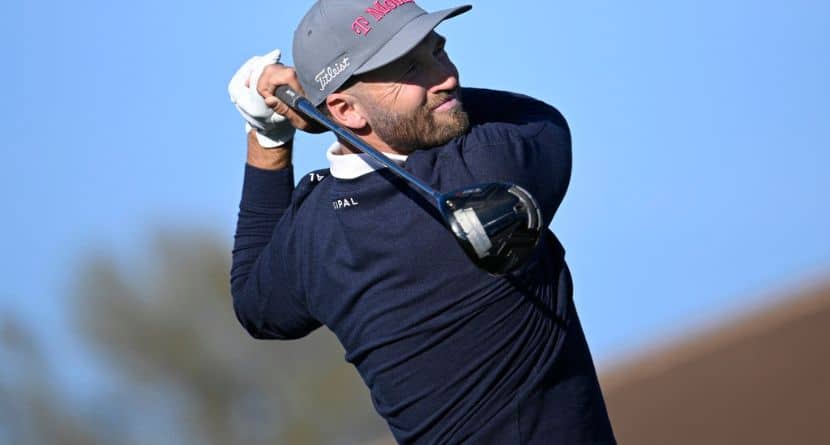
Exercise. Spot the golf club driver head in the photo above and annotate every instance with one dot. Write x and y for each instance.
(497, 224)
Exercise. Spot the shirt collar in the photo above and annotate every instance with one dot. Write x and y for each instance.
(351, 166)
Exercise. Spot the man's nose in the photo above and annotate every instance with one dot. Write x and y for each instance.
(447, 78)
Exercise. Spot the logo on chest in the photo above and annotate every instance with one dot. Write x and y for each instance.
(339, 204)
(315, 177)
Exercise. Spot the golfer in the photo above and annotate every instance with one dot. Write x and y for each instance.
(450, 353)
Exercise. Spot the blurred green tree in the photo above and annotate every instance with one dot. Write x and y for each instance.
(185, 370)
(33, 409)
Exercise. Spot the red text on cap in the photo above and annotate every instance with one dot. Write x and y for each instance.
(378, 10)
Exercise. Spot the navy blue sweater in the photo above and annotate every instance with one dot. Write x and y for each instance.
(449, 353)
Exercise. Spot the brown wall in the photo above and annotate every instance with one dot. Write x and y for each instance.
(763, 379)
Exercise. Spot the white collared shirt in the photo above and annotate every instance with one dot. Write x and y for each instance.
(345, 165)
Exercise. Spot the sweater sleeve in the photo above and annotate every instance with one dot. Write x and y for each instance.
(266, 296)
(521, 140)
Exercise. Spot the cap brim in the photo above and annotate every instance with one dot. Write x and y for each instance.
(409, 37)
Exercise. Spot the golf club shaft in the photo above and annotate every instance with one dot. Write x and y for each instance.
(302, 105)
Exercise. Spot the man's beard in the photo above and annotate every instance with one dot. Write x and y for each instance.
(422, 128)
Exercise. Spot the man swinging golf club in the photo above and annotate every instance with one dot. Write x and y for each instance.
(459, 340)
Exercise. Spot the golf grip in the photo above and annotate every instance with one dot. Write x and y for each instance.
(288, 96)
(302, 105)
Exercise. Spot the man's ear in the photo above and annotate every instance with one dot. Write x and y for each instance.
(345, 111)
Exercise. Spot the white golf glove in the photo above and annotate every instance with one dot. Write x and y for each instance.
(272, 129)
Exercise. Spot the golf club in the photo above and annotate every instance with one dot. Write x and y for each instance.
(497, 223)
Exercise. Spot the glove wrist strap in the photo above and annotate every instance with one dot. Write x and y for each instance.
(276, 137)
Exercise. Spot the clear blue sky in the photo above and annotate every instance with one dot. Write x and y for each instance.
(700, 134)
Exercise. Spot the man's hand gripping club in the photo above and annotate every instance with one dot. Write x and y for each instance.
(252, 91)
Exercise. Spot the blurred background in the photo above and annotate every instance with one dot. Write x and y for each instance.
(696, 223)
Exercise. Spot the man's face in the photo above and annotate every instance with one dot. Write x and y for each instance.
(414, 102)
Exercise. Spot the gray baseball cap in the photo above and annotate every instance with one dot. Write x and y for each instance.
(340, 38)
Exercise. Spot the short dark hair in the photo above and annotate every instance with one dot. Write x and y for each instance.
(323, 108)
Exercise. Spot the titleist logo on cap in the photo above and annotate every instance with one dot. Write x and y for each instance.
(328, 73)
(378, 10)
